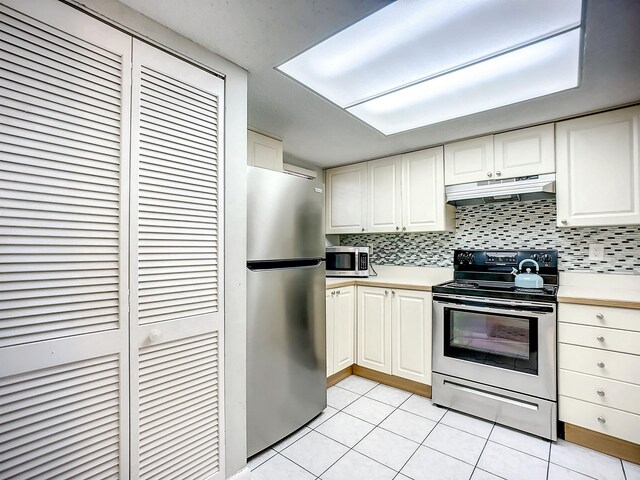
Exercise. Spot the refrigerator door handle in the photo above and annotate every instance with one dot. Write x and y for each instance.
(256, 266)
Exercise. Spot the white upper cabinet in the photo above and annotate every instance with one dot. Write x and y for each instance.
(263, 151)
(424, 206)
(598, 169)
(529, 151)
(384, 199)
(469, 160)
(346, 198)
(520, 153)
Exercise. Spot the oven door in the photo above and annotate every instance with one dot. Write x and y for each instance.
(503, 343)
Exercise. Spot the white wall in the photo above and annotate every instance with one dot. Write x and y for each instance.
(235, 136)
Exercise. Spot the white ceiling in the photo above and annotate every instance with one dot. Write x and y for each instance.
(261, 34)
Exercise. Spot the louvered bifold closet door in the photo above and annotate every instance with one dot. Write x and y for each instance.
(65, 83)
(176, 269)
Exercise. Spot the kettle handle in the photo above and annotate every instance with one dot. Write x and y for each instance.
(529, 260)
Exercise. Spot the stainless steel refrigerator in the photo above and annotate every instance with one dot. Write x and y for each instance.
(286, 350)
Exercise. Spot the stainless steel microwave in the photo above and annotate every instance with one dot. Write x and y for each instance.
(347, 261)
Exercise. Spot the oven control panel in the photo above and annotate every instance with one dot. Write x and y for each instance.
(477, 259)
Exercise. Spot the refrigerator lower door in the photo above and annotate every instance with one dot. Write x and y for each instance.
(286, 364)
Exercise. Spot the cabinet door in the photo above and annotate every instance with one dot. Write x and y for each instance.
(529, 151)
(344, 322)
(423, 201)
(329, 297)
(384, 198)
(598, 169)
(64, 163)
(469, 160)
(263, 151)
(176, 274)
(374, 328)
(346, 199)
(411, 334)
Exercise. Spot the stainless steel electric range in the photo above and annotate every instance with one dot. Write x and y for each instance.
(494, 345)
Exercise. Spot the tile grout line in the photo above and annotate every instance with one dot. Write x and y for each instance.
(475, 467)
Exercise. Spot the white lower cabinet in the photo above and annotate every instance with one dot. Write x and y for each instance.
(341, 325)
(599, 369)
(394, 332)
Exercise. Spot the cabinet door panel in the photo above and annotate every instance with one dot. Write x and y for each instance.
(529, 151)
(411, 334)
(384, 201)
(598, 169)
(469, 160)
(374, 329)
(346, 199)
(263, 151)
(329, 297)
(424, 206)
(344, 328)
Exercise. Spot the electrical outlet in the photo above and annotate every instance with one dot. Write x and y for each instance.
(596, 252)
(370, 249)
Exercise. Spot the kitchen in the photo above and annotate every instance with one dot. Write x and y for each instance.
(144, 333)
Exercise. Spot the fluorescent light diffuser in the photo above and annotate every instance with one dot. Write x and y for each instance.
(539, 69)
(411, 41)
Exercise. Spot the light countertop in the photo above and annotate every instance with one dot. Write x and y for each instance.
(600, 289)
(391, 276)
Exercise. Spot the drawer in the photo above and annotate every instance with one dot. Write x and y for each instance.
(616, 422)
(614, 394)
(598, 337)
(611, 317)
(616, 366)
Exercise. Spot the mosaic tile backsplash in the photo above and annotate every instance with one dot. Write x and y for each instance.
(509, 225)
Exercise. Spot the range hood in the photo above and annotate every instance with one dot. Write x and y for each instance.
(533, 187)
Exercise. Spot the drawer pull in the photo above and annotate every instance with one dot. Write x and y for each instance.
(600, 316)
(600, 393)
(600, 364)
(600, 338)
(601, 420)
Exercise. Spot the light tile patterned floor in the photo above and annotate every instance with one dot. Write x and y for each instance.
(374, 432)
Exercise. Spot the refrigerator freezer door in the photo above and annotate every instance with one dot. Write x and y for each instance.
(286, 357)
(284, 216)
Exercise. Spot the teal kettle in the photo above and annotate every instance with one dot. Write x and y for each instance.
(528, 279)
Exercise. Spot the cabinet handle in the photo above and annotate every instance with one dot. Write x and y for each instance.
(489, 174)
(600, 316)
(362, 230)
(386, 292)
(404, 229)
(601, 420)
(600, 393)
(397, 228)
(600, 364)
(498, 173)
(600, 338)
(333, 293)
(338, 292)
(155, 335)
(393, 292)
(564, 222)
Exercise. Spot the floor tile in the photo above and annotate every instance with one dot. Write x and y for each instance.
(408, 425)
(314, 452)
(339, 397)
(456, 443)
(284, 443)
(354, 466)
(427, 464)
(345, 429)
(387, 448)
(632, 470)
(482, 475)
(535, 446)
(556, 472)
(325, 415)
(369, 410)
(469, 424)
(282, 469)
(388, 395)
(586, 461)
(511, 464)
(259, 458)
(357, 384)
(401, 477)
(423, 407)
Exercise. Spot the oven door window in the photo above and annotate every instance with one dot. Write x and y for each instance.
(509, 342)
(341, 261)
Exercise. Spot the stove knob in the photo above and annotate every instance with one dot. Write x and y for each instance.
(546, 258)
(535, 257)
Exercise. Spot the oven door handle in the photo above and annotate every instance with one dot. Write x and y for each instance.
(496, 308)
